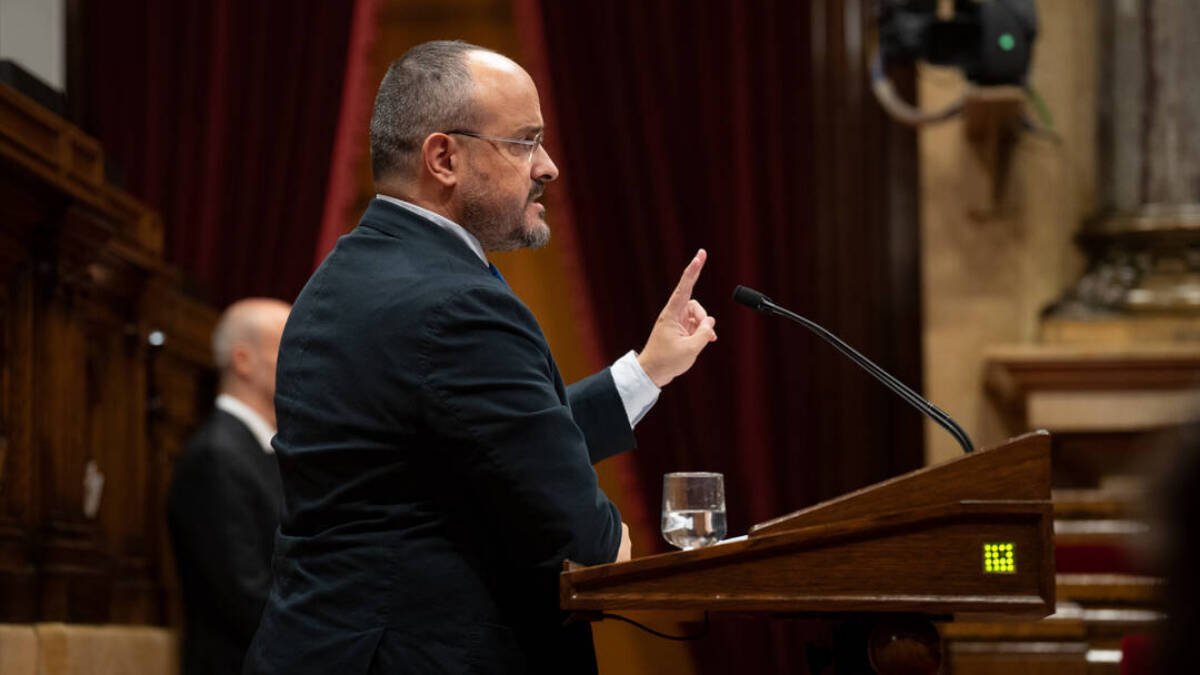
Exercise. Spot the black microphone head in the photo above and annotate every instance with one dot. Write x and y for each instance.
(750, 298)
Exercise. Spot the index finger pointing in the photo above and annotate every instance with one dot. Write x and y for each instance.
(683, 291)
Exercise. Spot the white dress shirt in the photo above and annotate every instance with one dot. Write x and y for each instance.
(262, 429)
(637, 391)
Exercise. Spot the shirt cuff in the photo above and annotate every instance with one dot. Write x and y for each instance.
(637, 391)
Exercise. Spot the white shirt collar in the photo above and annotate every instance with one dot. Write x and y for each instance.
(442, 221)
(262, 430)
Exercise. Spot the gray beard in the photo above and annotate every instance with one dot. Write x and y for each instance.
(501, 229)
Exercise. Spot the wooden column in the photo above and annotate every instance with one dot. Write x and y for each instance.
(1144, 242)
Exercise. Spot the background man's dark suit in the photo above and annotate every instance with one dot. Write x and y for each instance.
(436, 469)
(223, 510)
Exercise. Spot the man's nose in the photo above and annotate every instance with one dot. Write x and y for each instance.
(543, 169)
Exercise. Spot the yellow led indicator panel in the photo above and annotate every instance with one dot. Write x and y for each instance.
(1000, 558)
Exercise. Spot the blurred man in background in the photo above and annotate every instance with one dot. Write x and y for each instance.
(225, 496)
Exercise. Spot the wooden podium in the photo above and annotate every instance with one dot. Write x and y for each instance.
(970, 538)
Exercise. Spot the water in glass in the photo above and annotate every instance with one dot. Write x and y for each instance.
(693, 529)
(693, 513)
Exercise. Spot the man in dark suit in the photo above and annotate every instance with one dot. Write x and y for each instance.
(436, 470)
(225, 496)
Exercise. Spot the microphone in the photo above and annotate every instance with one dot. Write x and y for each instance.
(757, 301)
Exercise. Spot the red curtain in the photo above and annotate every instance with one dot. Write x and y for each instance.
(350, 143)
(747, 128)
(222, 115)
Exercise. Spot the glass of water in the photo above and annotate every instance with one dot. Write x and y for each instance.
(693, 512)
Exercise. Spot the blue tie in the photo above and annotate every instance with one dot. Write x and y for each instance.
(496, 273)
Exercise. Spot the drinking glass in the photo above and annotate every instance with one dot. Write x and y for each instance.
(693, 512)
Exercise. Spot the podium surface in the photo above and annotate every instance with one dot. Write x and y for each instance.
(970, 537)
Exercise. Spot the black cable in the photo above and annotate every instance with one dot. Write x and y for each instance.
(678, 638)
(900, 110)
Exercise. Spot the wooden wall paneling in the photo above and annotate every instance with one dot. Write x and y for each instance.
(180, 387)
(26, 205)
(116, 402)
(90, 404)
(120, 450)
(18, 600)
(83, 286)
(115, 383)
(76, 575)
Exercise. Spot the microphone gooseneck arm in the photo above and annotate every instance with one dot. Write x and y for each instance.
(757, 301)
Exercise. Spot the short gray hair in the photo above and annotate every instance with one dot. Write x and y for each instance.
(427, 90)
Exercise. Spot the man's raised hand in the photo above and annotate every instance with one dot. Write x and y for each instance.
(681, 331)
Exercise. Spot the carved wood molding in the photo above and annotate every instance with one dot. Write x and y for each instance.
(1013, 371)
(1092, 387)
(59, 156)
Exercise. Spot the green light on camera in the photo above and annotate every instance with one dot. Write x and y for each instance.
(1007, 42)
(1000, 558)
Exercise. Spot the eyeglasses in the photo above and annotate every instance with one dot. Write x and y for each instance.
(524, 148)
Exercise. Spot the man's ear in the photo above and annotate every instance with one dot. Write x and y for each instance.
(241, 360)
(442, 158)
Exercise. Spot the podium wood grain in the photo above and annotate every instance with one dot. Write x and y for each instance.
(909, 545)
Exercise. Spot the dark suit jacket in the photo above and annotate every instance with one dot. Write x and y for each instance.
(436, 470)
(223, 510)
